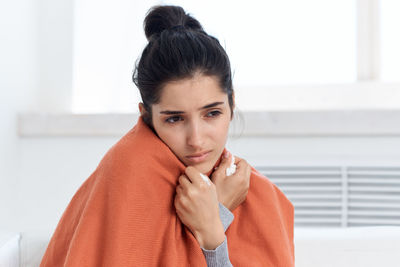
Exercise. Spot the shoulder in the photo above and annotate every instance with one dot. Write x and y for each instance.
(258, 179)
(139, 153)
(131, 150)
(262, 186)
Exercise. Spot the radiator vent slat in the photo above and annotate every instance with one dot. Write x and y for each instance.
(366, 197)
(320, 179)
(334, 196)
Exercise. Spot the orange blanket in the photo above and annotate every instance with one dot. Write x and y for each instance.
(124, 215)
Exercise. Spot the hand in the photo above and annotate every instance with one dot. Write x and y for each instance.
(232, 190)
(196, 204)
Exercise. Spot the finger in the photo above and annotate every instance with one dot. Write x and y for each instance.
(180, 203)
(225, 161)
(184, 181)
(241, 163)
(206, 179)
(237, 160)
(243, 167)
(196, 177)
(243, 173)
(192, 174)
(180, 192)
(223, 165)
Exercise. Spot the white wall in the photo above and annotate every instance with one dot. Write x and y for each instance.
(18, 68)
(35, 71)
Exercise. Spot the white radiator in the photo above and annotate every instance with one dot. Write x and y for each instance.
(340, 196)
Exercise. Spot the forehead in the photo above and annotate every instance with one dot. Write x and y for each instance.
(191, 93)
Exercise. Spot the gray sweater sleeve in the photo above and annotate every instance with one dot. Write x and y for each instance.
(225, 215)
(219, 257)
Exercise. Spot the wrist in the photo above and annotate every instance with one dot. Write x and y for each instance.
(211, 239)
(226, 204)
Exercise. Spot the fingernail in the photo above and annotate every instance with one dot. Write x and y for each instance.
(226, 154)
(205, 178)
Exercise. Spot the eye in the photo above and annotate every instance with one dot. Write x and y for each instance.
(173, 119)
(213, 113)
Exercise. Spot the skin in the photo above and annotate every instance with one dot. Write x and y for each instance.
(193, 116)
(198, 129)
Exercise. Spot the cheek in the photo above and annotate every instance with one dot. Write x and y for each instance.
(173, 139)
(220, 132)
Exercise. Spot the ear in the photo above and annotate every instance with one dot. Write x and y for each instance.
(233, 104)
(233, 100)
(142, 110)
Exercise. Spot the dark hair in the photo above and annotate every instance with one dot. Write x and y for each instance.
(178, 48)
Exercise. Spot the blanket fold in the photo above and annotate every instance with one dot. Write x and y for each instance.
(124, 215)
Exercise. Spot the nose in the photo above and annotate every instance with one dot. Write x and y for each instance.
(194, 135)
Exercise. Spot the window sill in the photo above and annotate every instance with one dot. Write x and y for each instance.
(377, 122)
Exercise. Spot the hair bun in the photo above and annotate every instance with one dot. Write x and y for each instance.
(160, 18)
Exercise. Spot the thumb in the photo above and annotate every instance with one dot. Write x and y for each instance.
(226, 160)
(223, 165)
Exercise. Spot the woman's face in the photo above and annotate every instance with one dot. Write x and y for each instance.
(193, 118)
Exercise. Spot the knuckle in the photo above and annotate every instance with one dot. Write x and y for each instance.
(241, 164)
(181, 201)
(238, 158)
(180, 179)
(177, 202)
(218, 173)
(243, 171)
(191, 194)
(189, 169)
(203, 186)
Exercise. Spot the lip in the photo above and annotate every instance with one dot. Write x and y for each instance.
(198, 157)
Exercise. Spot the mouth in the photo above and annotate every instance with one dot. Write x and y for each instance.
(198, 157)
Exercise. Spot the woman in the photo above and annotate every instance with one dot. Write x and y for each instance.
(150, 201)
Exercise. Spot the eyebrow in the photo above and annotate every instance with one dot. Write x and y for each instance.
(174, 112)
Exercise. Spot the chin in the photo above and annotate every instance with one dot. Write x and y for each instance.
(206, 166)
(203, 167)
